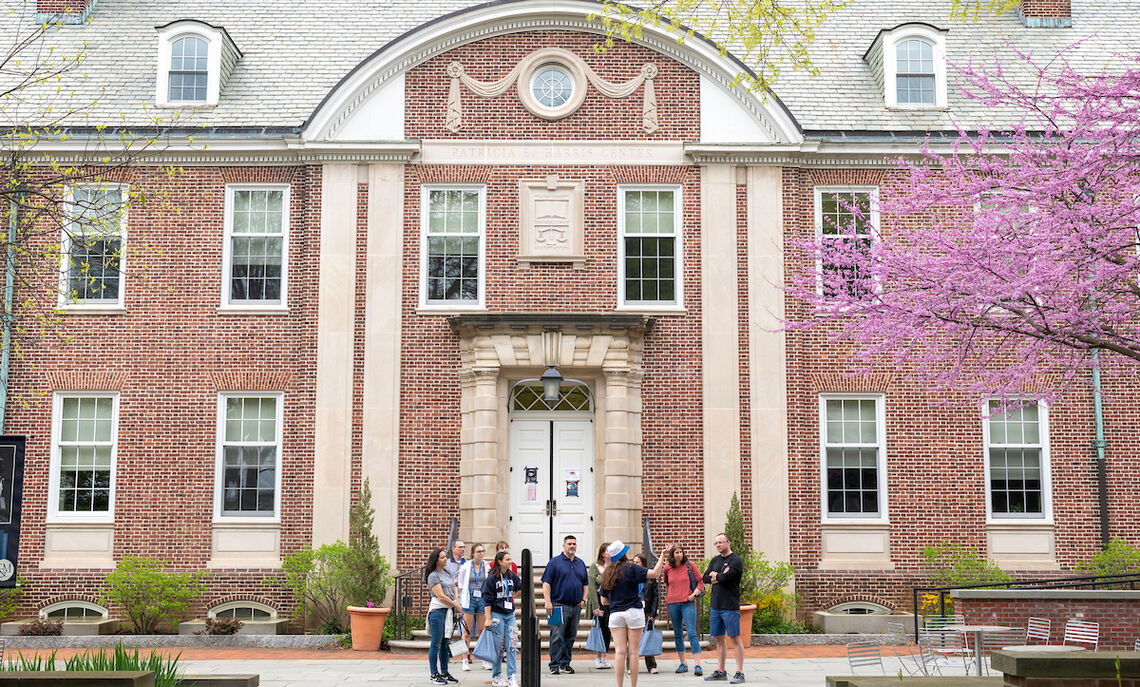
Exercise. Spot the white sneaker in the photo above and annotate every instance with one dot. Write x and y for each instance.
(514, 681)
(466, 662)
(487, 665)
(606, 662)
(599, 662)
(498, 682)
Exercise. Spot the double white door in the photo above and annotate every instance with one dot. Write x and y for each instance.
(552, 486)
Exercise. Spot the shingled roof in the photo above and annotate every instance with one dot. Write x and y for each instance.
(295, 51)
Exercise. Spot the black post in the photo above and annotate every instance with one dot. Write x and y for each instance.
(530, 640)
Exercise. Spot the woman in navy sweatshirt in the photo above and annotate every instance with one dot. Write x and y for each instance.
(499, 590)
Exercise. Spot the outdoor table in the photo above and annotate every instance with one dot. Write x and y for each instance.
(1042, 647)
(978, 630)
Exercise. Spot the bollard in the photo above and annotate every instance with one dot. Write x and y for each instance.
(531, 668)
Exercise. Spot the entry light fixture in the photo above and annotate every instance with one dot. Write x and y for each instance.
(551, 384)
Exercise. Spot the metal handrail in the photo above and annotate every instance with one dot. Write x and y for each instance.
(1130, 579)
(410, 591)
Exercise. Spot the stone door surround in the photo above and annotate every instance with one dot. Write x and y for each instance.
(497, 350)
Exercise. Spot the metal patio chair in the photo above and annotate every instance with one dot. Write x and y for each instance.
(993, 641)
(1038, 630)
(864, 655)
(946, 642)
(1082, 632)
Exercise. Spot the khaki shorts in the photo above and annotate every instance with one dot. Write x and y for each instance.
(633, 618)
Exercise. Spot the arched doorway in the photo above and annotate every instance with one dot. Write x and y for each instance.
(551, 473)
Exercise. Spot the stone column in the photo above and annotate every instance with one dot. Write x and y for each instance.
(336, 304)
(380, 451)
(720, 345)
(622, 456)
(479, 498)
(768, 357)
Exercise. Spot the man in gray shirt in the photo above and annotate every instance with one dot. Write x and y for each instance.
(455, 561)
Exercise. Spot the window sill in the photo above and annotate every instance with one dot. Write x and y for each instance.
(253, 310)
(917, 108)
(77, 522)
(92, 309)
(653, 309)
(882, 523)
(190, 104)
(1019, 522)
(449, 309)
(244, 522)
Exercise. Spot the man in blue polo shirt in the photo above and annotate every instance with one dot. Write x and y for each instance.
(564, 585)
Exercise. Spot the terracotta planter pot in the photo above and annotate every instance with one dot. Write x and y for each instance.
(367, 627)
(746, 611)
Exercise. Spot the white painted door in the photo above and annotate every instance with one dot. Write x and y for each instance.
(552, 486)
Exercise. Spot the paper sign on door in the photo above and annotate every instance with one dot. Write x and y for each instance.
(530, 478)
(573, 479)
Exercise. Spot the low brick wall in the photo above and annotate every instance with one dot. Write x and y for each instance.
(1117, 611)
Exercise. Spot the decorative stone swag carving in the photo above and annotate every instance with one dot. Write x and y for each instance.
(522, 73)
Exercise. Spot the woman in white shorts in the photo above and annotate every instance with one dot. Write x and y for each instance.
(619, 589)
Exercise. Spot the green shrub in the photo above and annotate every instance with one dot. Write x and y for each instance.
(148, 594)
(41, 627)
(317, 580)
(222, 626)
(10, 598)
(951, 565)
(367, 572)
(413, 621)
(734, 529)
(1120, 558)
(34, 664)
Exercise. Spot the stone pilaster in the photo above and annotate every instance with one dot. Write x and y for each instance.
(621, 517)
(479, 497)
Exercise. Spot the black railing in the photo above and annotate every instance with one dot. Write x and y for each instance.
(1101, 581)
(410, 592)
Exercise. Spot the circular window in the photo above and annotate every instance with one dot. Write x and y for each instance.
(552, 86)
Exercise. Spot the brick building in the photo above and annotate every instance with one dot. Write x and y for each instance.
(392, 219)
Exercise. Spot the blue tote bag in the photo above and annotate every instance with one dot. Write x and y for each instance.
(651, 642)
(487, 649)
(594, 641)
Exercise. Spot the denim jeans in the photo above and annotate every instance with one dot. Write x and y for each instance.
(562, 636)
(437, 651)
(685, 613)
(501, 626)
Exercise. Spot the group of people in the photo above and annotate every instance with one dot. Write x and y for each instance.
(618, 591)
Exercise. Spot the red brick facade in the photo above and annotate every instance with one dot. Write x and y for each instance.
(1046, 8)
(171, 351)
(1119, 618)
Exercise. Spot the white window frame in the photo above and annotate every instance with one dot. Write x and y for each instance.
(678, 303)
(227, 251)
(1046, 516)
(65, 302)
(890, 41)
(213, 612)
(872, 220)
(166, 37)
(452, 306)
(54, 514)
(50, 608)
(219, 460)
(880, 431)
(847, 606)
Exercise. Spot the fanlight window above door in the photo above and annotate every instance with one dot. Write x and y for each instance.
(574, 397)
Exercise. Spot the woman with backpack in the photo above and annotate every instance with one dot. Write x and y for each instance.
(683, 585)
(499, 591)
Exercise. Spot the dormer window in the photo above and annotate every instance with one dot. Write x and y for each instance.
(194, 61)
(908, 64)
(189, 69)
(914, 72)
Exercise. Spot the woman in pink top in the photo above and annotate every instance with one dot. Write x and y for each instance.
(683, 584)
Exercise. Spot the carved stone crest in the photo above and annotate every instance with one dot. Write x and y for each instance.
(551, 221)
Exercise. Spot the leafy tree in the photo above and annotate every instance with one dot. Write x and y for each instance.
(951, 564)
(767, 35)
(317, 578)
(1011, 261)
(148, 594)
(734, 529)
(1119, 558)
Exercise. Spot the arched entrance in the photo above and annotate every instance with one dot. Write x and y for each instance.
(551, 473)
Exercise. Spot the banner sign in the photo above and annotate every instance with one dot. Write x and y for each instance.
(11, 498)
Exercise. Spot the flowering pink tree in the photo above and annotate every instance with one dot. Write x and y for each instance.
(1002, 259)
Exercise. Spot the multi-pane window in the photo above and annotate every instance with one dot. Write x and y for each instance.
(453, 254)
(244, 613)
(189, 69)
(256, 250)
(846, 215)
(1016, 450)
(85, 612)
(852, 457)
(85, 450)
(92, 247)
(650, 221)
(250, 448)
(914, 72)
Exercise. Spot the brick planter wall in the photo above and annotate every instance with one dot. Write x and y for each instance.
(1118, 612)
